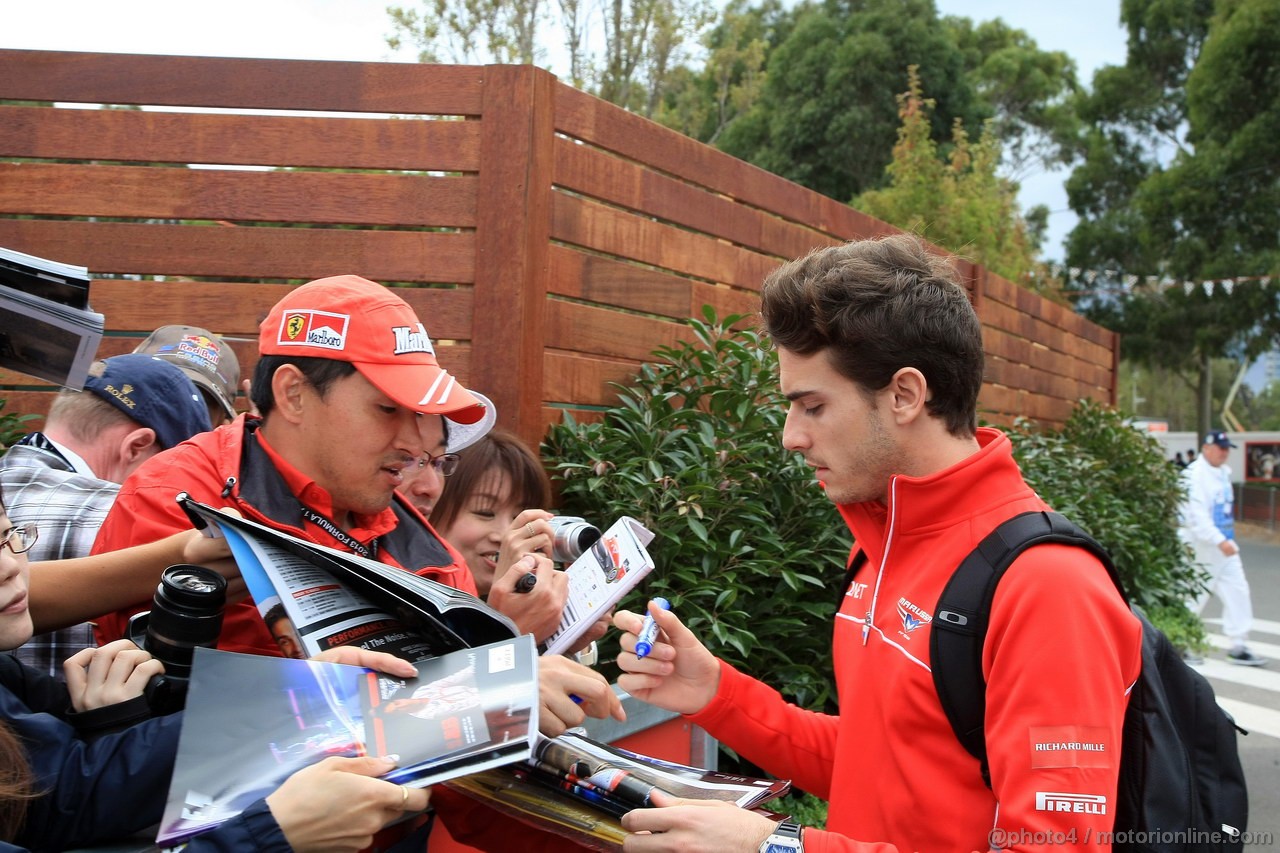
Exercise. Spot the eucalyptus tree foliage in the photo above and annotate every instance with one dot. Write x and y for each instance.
(1179, 178)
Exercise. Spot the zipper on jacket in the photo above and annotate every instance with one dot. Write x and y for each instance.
(888, 545)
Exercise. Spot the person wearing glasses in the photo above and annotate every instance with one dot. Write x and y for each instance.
(491, 512)
(85, 764)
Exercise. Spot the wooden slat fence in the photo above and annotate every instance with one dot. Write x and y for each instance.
(549, 240)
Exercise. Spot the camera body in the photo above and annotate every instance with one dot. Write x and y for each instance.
(574, 535)
(186, 612)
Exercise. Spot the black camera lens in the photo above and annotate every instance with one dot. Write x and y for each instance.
(186, 612)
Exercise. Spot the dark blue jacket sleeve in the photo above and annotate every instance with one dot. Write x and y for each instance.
(253, 829)
(91, 792)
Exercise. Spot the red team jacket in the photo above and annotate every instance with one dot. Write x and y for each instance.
(1061, 655)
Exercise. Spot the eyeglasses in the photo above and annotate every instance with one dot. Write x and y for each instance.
(445, 464)
(20, 538)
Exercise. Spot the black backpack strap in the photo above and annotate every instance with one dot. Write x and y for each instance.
(964, 609)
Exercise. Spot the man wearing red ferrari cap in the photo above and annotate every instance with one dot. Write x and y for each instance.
(349, 395)
(346, 386)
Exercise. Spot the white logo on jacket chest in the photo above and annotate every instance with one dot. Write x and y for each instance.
(856, 589)
(912, 617)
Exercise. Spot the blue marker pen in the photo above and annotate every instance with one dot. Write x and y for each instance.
(649, 630)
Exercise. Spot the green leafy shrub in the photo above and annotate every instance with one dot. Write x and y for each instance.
(12, 426)
(747, 546)
(1114, 482)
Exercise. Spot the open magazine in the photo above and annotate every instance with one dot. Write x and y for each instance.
(580, 789)
(328, 598)
(252, 721)
(46, 327)
(334, 598)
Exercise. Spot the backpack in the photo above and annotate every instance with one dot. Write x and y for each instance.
(1181, 786)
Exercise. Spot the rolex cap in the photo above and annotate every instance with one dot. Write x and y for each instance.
(352, 319)
(152, 392)
(205, 357)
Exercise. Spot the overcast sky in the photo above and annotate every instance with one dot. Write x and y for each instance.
(1087, 30)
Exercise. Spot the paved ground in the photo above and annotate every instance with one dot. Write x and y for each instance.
(1252, 694)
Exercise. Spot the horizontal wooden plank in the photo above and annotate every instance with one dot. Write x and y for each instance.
(1013, 348)
(614, 334)
(236, 309)
(610, 281)
(599, 175)
(280, 84)
(150, 192)
(577, 379)
(1023, 376)
(1000, 316)
(615, 232)
(257, 252)
(332, 142)
(592, 120)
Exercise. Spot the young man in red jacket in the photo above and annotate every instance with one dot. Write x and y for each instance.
(881, 358)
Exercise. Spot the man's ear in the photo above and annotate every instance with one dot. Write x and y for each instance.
(909, 391)
(137, 446)
(288, 389)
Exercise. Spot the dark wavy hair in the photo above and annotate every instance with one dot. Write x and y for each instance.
(875, 307)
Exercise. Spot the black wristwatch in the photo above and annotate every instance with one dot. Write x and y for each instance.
(786, 838)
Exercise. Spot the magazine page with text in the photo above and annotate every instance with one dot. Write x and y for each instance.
(329, 598)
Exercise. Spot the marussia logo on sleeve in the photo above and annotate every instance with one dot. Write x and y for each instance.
(314, 329)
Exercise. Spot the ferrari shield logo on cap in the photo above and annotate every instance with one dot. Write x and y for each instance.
(313, 329)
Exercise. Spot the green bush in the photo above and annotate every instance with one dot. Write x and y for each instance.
(12, 426)
(748, 549)
(1114, 481)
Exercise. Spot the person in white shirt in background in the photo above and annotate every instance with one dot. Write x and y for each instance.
(1207, 524)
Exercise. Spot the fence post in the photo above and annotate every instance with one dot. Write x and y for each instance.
(513, 232)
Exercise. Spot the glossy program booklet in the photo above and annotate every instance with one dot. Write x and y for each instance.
(252, 721)
(579, 788)
(47, 329)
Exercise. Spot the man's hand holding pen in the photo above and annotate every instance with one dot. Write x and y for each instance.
(678, 673)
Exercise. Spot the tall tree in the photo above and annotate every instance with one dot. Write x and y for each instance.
(1180, 178)
(646, 43)
(702, 103)
(827, 117)
(959, 202)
